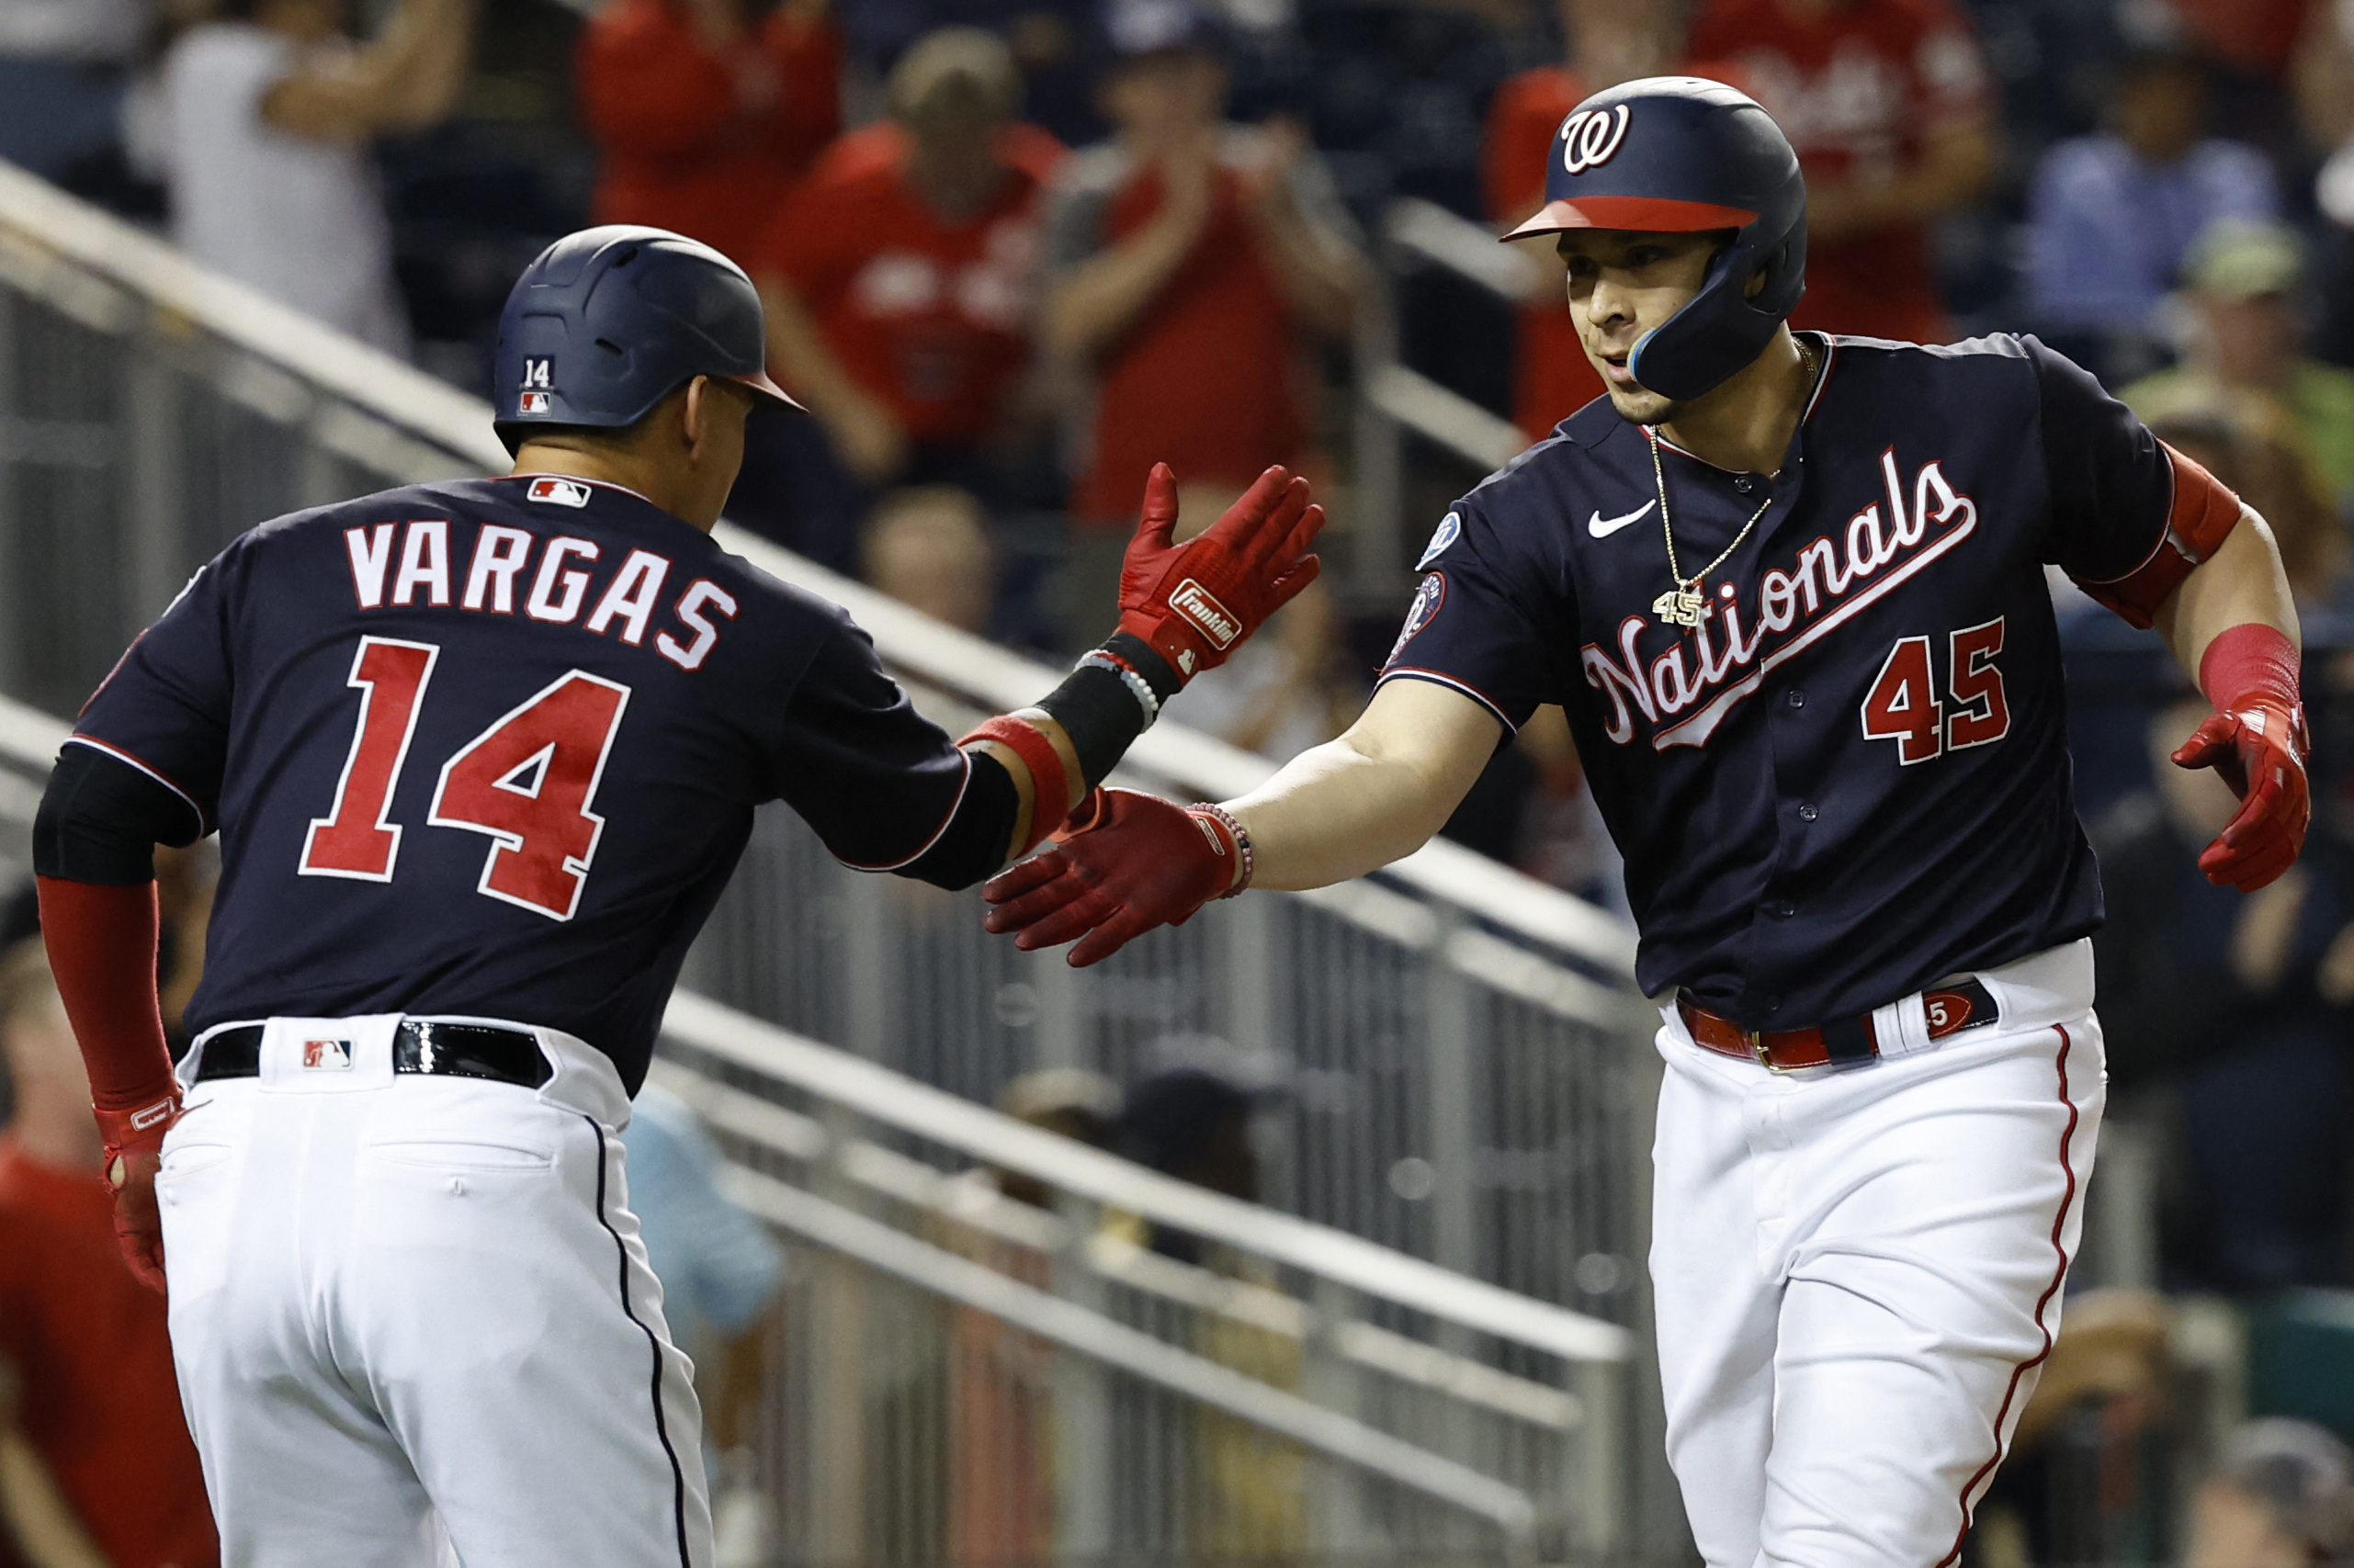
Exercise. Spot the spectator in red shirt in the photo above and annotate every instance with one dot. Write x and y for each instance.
(705, 112)
(900, 279)
(2257, 35)
(98, 1400)
(1610, 41)
(1886, 102)
(1194, 262)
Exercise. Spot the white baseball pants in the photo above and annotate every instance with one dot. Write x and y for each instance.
(1857, 1271)
(398, 1296)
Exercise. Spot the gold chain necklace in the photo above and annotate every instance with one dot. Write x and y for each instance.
(1684, 605)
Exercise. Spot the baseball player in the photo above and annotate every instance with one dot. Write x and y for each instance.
(482, 755)
(1790, 589)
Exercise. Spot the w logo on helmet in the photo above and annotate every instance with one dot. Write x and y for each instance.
(1591, 137)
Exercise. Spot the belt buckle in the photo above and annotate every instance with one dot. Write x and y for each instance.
(1756, 1037)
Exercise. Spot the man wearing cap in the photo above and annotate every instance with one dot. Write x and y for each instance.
(2246, 282)
(482, 755)
(1790, 590)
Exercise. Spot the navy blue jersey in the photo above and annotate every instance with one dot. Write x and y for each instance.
(1851, 777)
(492, 747)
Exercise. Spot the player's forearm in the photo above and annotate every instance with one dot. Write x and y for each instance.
(102, 945)
(1335, 813)
(1376, 793)
(2241, 583)
(1026, 781)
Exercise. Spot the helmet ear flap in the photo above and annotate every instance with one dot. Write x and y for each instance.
(1725, 325)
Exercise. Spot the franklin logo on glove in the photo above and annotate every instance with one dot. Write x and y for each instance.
(1194, 602)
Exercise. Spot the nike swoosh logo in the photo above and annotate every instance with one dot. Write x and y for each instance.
(1603, 527)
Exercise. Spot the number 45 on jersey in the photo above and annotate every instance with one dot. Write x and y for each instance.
(1902, 704)
(527, 781)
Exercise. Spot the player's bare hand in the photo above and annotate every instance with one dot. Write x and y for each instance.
(1141, 862)
(2259, 747)
(1197, 603)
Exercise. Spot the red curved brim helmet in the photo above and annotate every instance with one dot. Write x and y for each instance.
(759, 381)
(1641, 214)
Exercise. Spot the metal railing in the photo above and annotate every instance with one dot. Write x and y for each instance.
(1457, 1054)
(1294, 1392)
(1393, 400)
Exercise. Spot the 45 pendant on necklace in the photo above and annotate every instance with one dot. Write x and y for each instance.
(1684, 604)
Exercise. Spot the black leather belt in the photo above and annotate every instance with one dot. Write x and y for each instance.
(419, 1045)
(1951, 1008)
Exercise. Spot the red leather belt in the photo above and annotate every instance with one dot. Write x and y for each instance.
(1951, 1008)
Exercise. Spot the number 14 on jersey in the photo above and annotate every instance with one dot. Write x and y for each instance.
(527, 781)
(1903, 706)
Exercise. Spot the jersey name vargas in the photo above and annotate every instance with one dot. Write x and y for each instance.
(499, 574)
(1704, 677)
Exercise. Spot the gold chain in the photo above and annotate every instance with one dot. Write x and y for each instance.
(1684, 605)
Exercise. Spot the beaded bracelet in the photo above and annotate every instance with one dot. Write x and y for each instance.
(1138, 687)
(1225, 819)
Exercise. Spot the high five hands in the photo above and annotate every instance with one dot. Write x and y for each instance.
(1197, 602)
(1127, 861)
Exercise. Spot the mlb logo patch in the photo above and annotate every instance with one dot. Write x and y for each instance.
(326, 1056)
(558, 493)
(536, 402)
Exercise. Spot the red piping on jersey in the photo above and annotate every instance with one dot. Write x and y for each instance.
(1466, 687)
(962, 784)
(2059, 1276)
(203, 823)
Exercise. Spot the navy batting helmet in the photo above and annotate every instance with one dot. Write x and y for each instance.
(1673, 154)
(609, 322)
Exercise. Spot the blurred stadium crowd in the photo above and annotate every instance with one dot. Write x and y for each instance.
(1015, 251)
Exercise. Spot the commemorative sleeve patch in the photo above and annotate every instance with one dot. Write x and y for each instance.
(1427, 600)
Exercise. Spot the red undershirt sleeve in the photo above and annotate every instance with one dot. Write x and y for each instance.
(102, 943)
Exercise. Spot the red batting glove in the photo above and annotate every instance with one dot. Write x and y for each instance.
(1196, 602)
(2258, 744)
(134, 1150)
(1141, 861)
